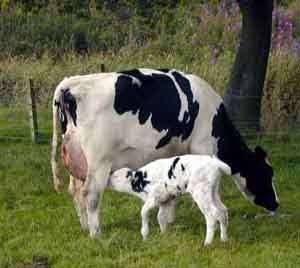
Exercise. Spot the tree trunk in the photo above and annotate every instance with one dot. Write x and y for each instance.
(243, 96)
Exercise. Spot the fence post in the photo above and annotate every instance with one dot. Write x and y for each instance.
(102, 68)
(32, 111)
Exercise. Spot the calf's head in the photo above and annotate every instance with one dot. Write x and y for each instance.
(120, 180)
(256, 180)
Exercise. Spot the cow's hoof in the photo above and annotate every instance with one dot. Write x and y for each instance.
(58, 188)
(84, 192)
(265, 215)
(163, 229)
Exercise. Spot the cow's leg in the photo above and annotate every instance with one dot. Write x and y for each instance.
(149, 204)
(93, 189)
(75, 190)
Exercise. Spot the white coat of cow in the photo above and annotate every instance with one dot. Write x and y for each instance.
(127, 119)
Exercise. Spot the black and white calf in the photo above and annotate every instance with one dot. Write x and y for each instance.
(161, 181)
(130, 118)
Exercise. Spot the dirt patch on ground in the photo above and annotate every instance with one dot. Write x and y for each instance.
(37, 262)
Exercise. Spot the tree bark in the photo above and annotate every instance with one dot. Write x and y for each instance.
(243, 96)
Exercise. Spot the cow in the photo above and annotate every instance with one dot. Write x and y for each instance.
(130, 118)
(162, 180)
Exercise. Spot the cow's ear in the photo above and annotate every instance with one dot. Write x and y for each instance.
(260, 152)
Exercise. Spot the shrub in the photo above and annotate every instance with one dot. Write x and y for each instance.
(281, 101)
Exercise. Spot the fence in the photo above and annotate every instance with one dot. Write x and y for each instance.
(30, 123)
(33, 122)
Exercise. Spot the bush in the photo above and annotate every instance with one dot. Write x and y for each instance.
(281, 101)
(38, 34)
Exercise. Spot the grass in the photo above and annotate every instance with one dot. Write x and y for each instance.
(39, 228)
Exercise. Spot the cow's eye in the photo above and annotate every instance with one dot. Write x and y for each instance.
(178, 187)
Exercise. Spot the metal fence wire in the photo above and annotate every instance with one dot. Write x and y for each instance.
(31, 121)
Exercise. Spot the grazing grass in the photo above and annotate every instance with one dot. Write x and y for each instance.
(39, 228)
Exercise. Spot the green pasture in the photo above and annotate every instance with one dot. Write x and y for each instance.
(39, 228)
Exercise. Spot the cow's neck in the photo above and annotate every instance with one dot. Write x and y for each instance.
(231, 148)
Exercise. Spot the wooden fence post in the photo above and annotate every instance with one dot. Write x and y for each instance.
(102, 68)
(32, 111)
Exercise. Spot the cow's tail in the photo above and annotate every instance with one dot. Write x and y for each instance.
(223, 167)
(57, 180)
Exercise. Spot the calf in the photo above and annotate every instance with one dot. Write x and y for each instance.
(161, 181)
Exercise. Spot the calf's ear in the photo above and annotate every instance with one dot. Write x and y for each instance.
(260, 152)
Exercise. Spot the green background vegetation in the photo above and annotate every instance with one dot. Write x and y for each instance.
(46, 40)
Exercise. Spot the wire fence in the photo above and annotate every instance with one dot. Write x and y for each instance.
(16, 125)
(32, 122)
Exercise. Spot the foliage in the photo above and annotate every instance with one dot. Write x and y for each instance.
(48, 43)
(38, 34)
(281, 103)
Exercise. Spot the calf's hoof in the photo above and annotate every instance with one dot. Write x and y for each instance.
(94, 234)
(224, 239)
(207, 244)
(144, 233)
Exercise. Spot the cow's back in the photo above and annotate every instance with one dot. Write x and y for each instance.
(134, 117)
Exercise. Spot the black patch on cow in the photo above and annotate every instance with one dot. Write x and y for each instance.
(129, 174)
(182, 167)
(172, 167)
(67, 102)
(156, 97)
(193, 106)
(138, 182)
(251, 165)
(231, 147)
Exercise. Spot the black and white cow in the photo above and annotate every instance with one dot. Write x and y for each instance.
(127, 119)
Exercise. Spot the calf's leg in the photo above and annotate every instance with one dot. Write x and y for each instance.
(166, 215)
(210, 229)
(223, 220)
(221, 214)
(171, 211)
(203, 196)
(149, 204)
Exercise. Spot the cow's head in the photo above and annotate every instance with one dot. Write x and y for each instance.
(256, 181)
